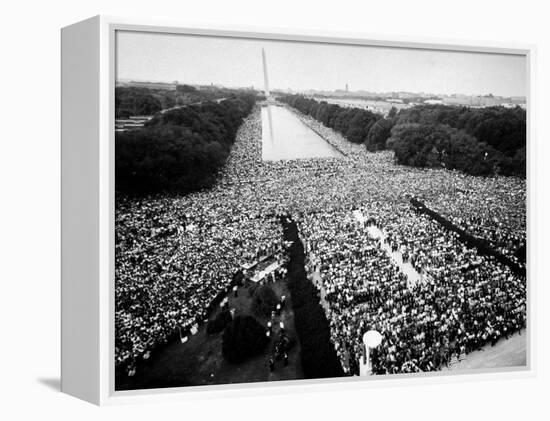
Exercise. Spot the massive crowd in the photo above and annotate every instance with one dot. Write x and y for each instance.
(462, 302)
(494, 210)
(172, 259)
(175, 254)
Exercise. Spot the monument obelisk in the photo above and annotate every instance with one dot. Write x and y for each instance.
(266, 82)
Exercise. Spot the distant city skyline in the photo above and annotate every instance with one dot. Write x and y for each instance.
(299, 66)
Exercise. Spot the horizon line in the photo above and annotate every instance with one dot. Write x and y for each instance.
(126, 80)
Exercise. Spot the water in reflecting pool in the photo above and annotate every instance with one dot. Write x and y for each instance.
(284, 136)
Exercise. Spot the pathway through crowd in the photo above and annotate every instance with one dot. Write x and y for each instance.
(413, 277)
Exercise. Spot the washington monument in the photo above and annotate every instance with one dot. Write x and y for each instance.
(266, 82)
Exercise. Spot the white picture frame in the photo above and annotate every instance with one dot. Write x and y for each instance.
(88, 77)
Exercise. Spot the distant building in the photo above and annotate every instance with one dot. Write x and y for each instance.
(130, 123)
(433, 101)
(406, 95)
(459, 100)
(517, 100)
(210, 87)
(488, 101)
(153, 85)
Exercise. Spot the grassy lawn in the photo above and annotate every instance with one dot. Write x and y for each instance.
(199, 361)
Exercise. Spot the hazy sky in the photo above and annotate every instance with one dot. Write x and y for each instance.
(301, 66)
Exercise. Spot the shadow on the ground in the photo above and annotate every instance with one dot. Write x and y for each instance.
(53, 383)
(200, 362)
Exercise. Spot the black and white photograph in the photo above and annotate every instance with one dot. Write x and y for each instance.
(289, 210)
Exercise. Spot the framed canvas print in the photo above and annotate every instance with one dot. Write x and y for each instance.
(244, 209)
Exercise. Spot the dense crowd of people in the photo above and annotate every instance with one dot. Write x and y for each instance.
(173, 259)
(498, 215)
(175, 254)
(462, 302)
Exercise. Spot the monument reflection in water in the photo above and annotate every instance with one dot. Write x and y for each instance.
(284, 136)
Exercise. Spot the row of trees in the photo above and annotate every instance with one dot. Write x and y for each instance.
(439, 145)
(477, 141)
(133, 101)
(353, 123)
(180, 150)
(502, 128)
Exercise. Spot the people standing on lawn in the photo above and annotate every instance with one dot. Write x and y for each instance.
(174, 255)
(464, 301)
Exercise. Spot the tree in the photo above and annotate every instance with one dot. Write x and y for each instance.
(360, 125)
(412, 142)
(463, 152)
(180, 150)
(135, 101)
(243, 338)
(378, 134)
(488, 140)
(219, 323)
(185, 89)
(502, 128)
(440, 145)
(264, 301)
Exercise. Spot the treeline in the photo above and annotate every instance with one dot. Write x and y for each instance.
(477, 141)
(437, 146)
(318, 357)
(134, 101)
(181, 150)
(353, 123)
(504, 129)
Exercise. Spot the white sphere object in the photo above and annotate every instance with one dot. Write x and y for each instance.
(372, 338)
